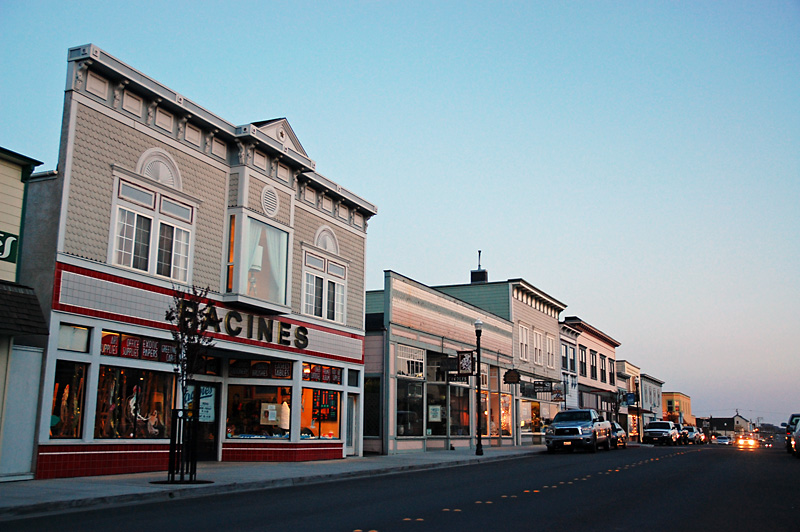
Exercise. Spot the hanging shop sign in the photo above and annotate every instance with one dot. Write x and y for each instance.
(531, 389)
(558, 392)
(466, 363)
(511, 376)
(8, 247)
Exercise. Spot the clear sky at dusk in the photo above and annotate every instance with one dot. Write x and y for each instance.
(638, 161)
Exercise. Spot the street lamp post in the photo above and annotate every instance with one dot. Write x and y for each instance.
(478, 445)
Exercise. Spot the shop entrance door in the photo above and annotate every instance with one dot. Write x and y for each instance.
(208, 418)
(351, 447)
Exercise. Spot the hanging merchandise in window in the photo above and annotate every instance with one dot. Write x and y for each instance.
(133, 403)
(66, 417)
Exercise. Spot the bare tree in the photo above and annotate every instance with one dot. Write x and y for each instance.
(192, 315)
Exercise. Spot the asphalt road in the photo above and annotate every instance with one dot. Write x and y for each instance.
(652, 489)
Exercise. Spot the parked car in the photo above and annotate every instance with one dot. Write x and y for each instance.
(723, 440)
(693, 435)
(619, 438)
(796, 441)
(681, 433)
(660, 432)
(578, 428)
(791, 426)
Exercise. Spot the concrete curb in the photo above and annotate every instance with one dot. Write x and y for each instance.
(167, 492)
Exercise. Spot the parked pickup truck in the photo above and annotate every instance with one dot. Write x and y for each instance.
(578, 428)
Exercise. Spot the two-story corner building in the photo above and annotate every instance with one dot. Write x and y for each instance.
(418, 396)
(597, 385)
(21, 320)
(536, 342)
(651, 390)
(155, 195)
(569, 365)
(677, 407)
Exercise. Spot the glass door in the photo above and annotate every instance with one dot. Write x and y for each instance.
(208, 417)
(352, 426)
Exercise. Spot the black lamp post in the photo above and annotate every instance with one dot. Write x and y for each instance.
(478, 445)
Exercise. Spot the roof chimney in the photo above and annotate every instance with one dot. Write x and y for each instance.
(480, 275)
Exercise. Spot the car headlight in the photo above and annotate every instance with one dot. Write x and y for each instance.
(549, 430)
(585, 430)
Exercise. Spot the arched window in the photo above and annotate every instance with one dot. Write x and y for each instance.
(325, 239)
(158, 165)
(324, 278)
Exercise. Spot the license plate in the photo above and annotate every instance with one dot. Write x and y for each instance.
(567, 443)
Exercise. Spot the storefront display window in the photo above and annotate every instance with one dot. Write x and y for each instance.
(133, 403)
(320, 416)
(437, 410)
(484, 417)
(530, 421)
(409, 407)
(259, 411)
(66, 419)
(459, 411)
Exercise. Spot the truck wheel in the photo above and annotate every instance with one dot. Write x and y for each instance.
(593, 446)
(607, 444)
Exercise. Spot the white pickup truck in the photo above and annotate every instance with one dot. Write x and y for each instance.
(578, 428)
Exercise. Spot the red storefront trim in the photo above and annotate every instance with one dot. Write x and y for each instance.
(288, 452)
(59, 306)
(60, 461)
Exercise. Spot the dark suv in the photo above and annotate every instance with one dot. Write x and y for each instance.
(790, 428)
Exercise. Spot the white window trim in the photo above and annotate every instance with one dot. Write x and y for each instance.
(326, 276)
(411, 356)
(155, 214)
(551, 352)
(538, 340)
(524, 343)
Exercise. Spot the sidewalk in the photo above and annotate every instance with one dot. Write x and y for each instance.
(36, 497)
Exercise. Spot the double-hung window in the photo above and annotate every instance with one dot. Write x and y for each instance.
(582, 361)
(324, 288)
(551, 352)
(524, 334)
(152, 232)
(593, 362)
(602, 368)
(538, 340)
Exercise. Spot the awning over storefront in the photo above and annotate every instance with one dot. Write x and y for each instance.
(20, 313)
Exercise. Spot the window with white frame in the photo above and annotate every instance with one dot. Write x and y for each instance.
(266, 254)
(410, 361)
(324, 287)
(152, 231)
(538, 340)
(524, 334)
(612, 378)
(602, 368)
(593, 363)
(564, 363)
(551, 352)
(582, 361)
